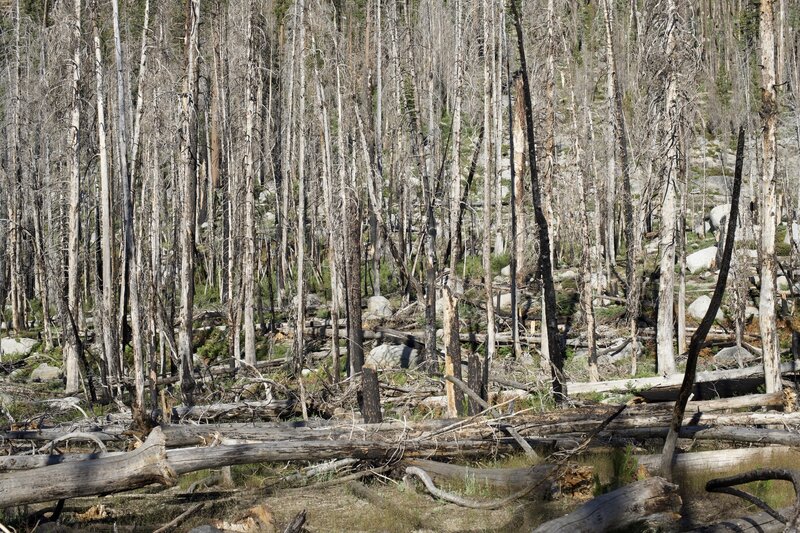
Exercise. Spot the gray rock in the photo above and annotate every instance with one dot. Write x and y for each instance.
(699, 308)
(393, 356)
(21, 346)
(718, 214)
(506, 271)
(567, 274)
(751, 311)
(702, 259)
(379, 307)
(702, 229)
(313, 301)
(503, 303)
(45, 372)
(730, 357)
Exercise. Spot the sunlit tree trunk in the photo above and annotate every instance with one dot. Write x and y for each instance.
(72, 369)
(666, 288)
(769, 204)
(188, 153)
(248, 258)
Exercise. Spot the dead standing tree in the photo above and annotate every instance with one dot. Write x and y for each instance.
(545, 264)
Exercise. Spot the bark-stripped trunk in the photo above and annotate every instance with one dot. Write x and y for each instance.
(452, 360)
(299, 340)
(16, 285)
(488, 178)
(769, 204)
(248, 258)
(73, 277)
(666, 288)
(188, 157)
(111, 357)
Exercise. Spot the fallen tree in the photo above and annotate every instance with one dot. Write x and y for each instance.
(154, 463)
(652, 501)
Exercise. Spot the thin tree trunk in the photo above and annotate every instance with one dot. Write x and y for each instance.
(111, 356)
(248, 258)
(188, 151)
(299, 339)
(73, 279)
(452, 360)
(488, 179)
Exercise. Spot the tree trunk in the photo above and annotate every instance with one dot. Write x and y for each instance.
(666, 286)
(73, 278)
(545, 265)
(248, 258)
(768, 205)
(299, 339)
(188, 151)
(111, 357)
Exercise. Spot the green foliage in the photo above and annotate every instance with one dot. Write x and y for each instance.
(499, 261)
(214, 346)
(724, 87)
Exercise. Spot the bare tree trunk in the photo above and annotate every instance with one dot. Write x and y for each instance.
(545, 265)
(768, 207)
(248, 258)
(107, 314)
(452, 360)
(17, 289)
(188, 152)
(378, 175)
(299, 339)
(488, 177)
(73, 278)
(666, 299)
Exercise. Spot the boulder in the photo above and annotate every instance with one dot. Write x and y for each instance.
(718, 214)
(699, 308)
(503, 302)
(21, 346)
(730, 357)
(313, 301)
(392, 356)
(702, 229)
(750, 312)
(506, 271)
(45, 372)
(378, 307)
(566, 275)
(702, 259)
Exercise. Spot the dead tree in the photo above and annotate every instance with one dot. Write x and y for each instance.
(545, 265)
(699, 336)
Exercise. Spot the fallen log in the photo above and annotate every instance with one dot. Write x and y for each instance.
(246, 409)
(153, 463)
(547, 480)
(650, 500)
(740, 435)
(754, 523)
(627, 385)
(143, 466)
(723, 462)
(553, 423)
